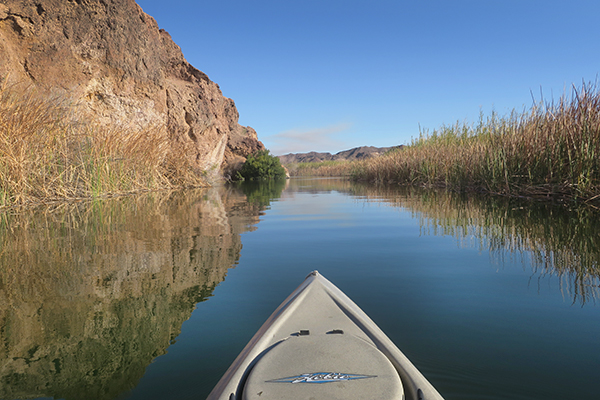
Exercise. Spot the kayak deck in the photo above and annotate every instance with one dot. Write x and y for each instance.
(326, 366)
(318, 344)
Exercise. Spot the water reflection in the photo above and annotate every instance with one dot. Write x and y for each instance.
(90, 294)
(558, 240)
(262, 192)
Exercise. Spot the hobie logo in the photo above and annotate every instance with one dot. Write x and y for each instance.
(321, 377)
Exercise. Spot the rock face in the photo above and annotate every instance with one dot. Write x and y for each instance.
(357, 153)
(113, 60)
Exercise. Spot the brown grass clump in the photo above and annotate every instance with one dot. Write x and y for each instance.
(49, 150)
(551, 149)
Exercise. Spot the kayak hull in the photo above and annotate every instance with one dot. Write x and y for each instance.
(319, 344)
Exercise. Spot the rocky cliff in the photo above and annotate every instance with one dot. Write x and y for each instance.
(113, 61)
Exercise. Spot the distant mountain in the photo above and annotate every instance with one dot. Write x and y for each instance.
(357, 153)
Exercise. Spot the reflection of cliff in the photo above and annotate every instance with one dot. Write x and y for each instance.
(90, 294)
(554, 239)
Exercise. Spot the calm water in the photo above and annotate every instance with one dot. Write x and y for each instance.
(153, 297)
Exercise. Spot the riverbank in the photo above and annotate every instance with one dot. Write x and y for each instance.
(323, 168)
(552, 149)
(549, 150)
(51, 150)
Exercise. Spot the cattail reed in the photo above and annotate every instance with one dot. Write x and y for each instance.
(552, 149)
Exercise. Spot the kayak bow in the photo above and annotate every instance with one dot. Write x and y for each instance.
(318, 344)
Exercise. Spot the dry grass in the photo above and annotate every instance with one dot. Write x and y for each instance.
(551, 149)
(51, 151)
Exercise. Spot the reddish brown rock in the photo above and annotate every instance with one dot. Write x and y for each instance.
(114, 61)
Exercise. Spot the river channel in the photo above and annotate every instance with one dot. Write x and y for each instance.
(153, 296)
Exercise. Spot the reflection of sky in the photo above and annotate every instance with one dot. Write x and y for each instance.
(447, 298)
(330, 206)
(310, 206)
(459, 315)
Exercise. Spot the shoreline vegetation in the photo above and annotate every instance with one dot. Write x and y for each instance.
(551, 150)
(50, 150)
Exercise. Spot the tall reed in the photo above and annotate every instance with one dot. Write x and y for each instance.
(551, 149)
(50, 149)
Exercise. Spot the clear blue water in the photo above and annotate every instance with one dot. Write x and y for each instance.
(483, 296)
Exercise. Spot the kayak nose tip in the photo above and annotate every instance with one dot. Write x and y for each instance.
(313, 273)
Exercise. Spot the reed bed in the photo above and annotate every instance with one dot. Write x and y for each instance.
(552, 149)
(324, 168)
(51, 150)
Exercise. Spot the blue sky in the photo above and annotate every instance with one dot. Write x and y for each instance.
(330, 75)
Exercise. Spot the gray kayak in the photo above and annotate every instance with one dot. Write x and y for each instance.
(319, 345)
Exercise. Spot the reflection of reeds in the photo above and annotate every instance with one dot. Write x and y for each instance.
(554, 241)
(50, 150)
(552, 149)
(58, 234)
(155, 231)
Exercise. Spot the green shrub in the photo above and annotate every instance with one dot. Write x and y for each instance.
(261, 165)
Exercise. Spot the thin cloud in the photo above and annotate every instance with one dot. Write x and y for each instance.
(301, 141)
